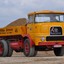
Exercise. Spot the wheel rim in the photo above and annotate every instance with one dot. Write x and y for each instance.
(1, 49)
(27, 48)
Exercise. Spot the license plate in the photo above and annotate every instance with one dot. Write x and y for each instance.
(57, 45)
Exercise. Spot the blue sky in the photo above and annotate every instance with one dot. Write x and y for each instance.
(11, 10)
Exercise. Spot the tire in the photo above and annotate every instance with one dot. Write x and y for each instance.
(3, 48)
(10, 50)
(29, 51)
(59, 51)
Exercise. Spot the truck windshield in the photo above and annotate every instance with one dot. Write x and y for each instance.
(49, 18)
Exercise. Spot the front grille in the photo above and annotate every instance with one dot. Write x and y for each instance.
(55, 38)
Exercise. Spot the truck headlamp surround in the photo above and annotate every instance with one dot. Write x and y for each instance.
(43, 38)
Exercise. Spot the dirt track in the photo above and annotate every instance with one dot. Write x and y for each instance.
(41, 58)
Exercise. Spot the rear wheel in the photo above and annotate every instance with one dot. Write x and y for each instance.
(10, 50)
(3, 48)
(59, 51)
(29, 51)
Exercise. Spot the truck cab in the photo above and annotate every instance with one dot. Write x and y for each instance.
(46, 29)
(46, 26)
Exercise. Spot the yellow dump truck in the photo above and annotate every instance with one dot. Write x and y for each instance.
(43, 31)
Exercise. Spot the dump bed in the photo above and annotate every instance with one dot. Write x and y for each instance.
(17, 27)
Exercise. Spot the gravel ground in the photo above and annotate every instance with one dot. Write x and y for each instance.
(41, 58)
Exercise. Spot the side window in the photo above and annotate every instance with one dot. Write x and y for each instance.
(31, 19)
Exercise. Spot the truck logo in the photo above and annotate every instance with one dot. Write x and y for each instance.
(55, 31)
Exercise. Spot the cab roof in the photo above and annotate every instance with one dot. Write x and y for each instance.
(46, 12)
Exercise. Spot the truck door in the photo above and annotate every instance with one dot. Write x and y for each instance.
(30, 26)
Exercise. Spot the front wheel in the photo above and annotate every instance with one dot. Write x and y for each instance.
(59, 51)
(29, 51)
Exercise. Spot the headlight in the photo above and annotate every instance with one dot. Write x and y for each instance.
(43, 38)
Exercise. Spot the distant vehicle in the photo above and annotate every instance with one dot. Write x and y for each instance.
(44, 31)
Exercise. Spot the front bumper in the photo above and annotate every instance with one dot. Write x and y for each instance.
(50, 43)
